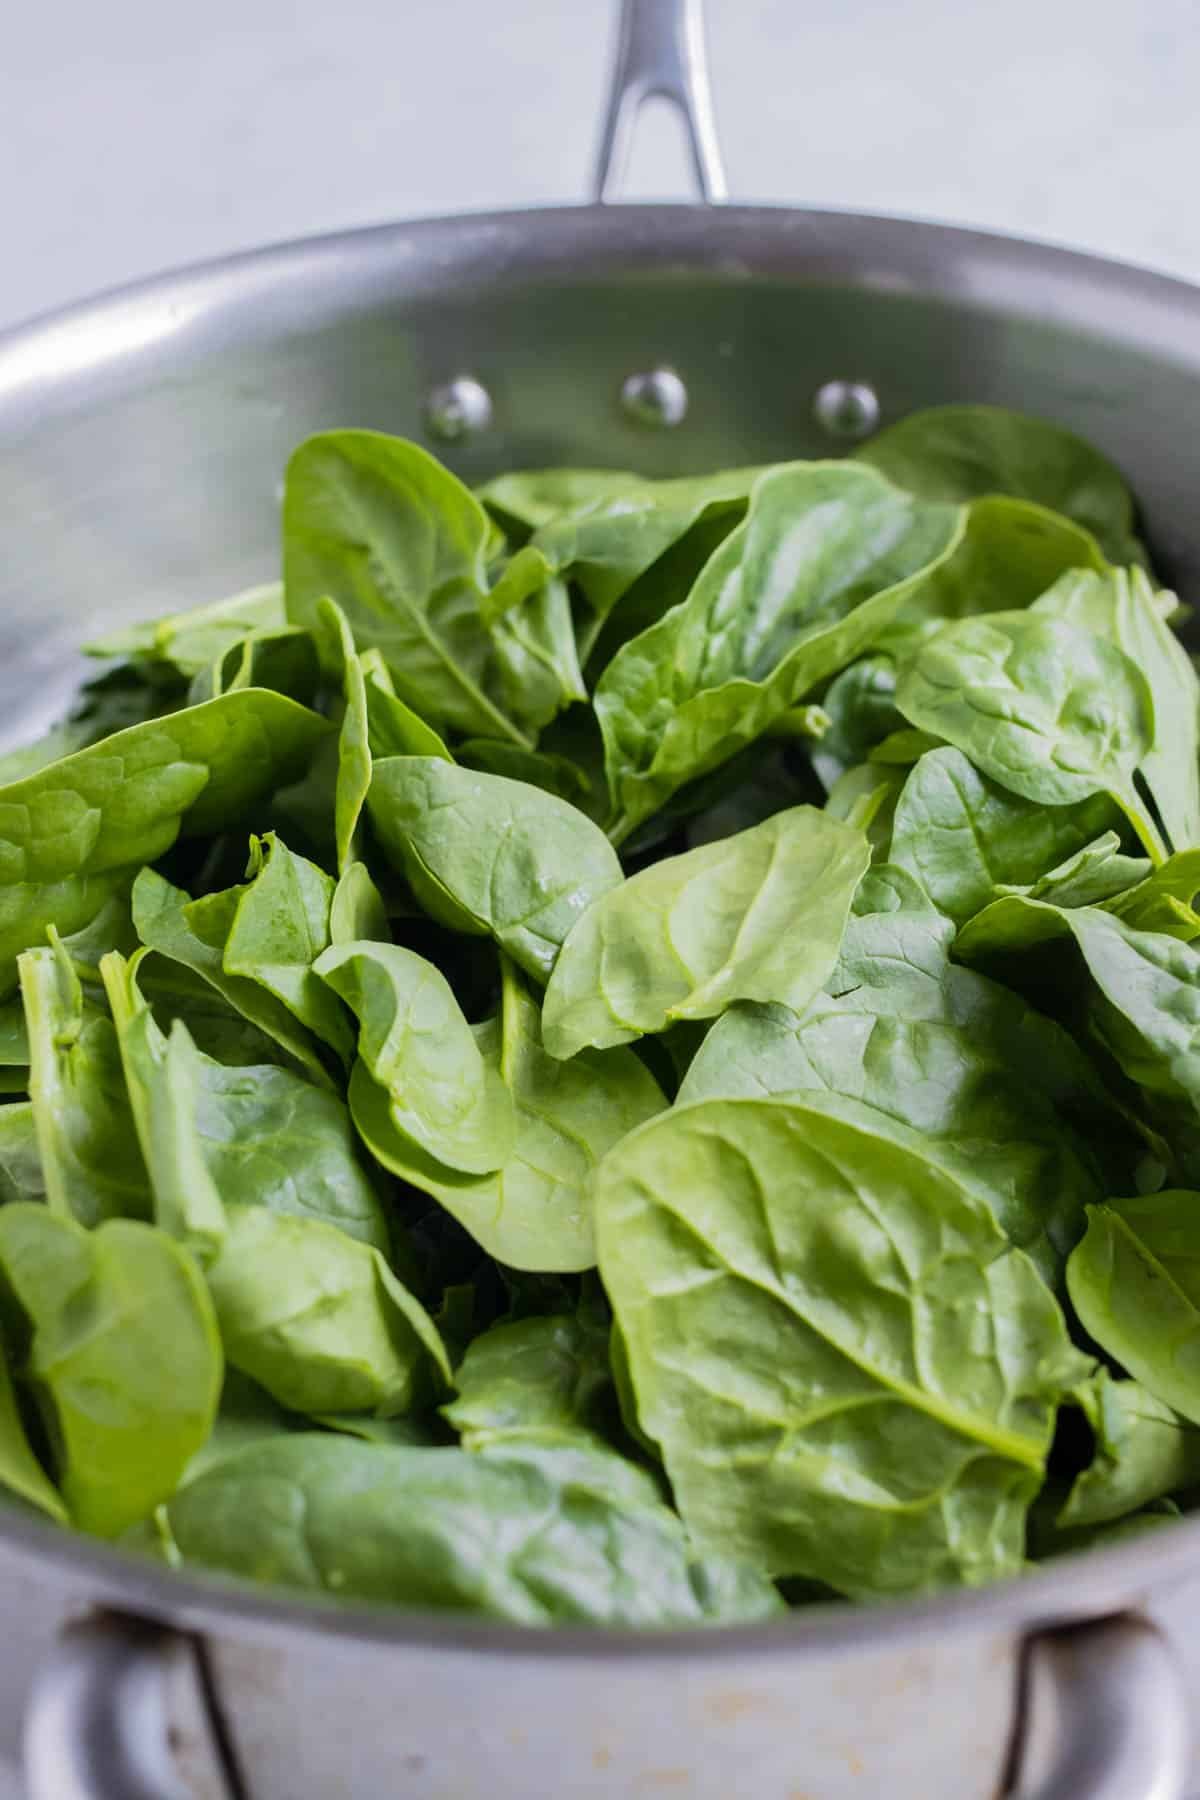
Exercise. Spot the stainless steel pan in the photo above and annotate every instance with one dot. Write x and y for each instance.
(142, 437)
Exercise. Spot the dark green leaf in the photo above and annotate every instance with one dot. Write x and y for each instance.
(825, 558)
(961, 452)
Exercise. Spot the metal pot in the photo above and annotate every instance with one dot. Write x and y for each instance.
(142, 437)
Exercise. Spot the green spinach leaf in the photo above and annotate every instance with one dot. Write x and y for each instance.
(963, 452)
(1050, 711)
(799, 1311)
(1120, 605)
(123, 1355)
(491, 855)
(535, 1211)
(758, 916)
(1135, 1283)
(91, 1164)
(1143, 1450)
(72, 834)
(318, 1319)
(443, 1098)
(825, 558)
(516, 1537)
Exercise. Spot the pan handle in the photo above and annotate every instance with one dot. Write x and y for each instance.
(660, 55)
(1104, 1715)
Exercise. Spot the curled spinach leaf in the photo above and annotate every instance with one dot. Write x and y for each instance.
(535, 1211)
(758, 916)
(1135, 1283)
(73, 834)
(443, 1098)
(824, 560)
(123, 1354)
(91, 1164)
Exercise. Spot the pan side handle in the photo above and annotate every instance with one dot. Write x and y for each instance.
(123, 1709)
(1104, 1715)
(660, 55)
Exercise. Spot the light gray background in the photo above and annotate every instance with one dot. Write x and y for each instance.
(135, 135)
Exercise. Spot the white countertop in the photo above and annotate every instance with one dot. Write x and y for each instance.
(137, 135)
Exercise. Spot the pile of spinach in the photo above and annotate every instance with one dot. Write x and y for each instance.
(616, 1050)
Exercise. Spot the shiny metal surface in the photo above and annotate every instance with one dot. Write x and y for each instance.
(847, 409)
(1105, 1716)
(657, 398)
(457, 410)
(661, 55)
(119, 1711)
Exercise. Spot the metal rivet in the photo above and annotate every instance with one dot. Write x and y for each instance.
(847, 409)
(657, 397)
(458, 409)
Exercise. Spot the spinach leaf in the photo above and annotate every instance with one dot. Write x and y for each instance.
(91, 1163)
(378, 525)
(1120, 605)
(962, 452)
(318, 1319)
(160, 1077)
(611, 541)
(1143, 1450)
(1099, 873)
(964, 836)
(72, 834)
(1146, 1004)
(515, 1537)
(357, 909)
(284, 660)
(860, 704)
(825, 558)
(555, 774)
(947, 1086)
(1164, 900)
(190, 642)
(799, 1312)
(123, 1355)
(1135, 1283)
(534, 1212)
(22, 1174)
(1009, 553)
(442, 1097)
(548, 1376)
(280, 926)
(194, 933)
(758, 916)
(20, 1471)
(394, 729)
(487, 854)
(211, 1134)
(1050, 711)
